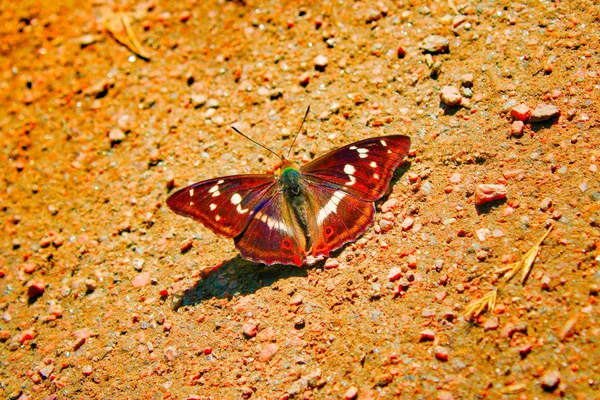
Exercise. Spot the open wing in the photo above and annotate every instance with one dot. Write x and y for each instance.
(225, 205)
(336, 218)
(362, 169)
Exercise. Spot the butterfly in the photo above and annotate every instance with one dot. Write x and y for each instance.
(312, 210)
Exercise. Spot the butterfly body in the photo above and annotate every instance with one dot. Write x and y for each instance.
(314, 209)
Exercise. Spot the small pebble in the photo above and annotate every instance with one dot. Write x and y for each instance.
(386, 225)
(87, 370)
(491, 324)
(141, 279)
(407, 223)
(546, 204)
(373, 15)
(394, 274)
(550, 380)
(450, 96)
(351, 393)
(198, 99)
(212, 103)
(116, 135)
(46, 371)
(185, 16)
(482, 255)
(28, 267)
(544, 112)
(35, 289)
(250, 328)
(401, 52)
(467, 80)
(441, 353)
(304, 79)
(521, 112)
(525, 349)
(268, 351)
(435, 44)
(427, 334)
(444, 395)
(320, 62)
(296, 300)
(489, 192)
(516, 128)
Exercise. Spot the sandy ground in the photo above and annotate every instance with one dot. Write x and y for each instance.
(106, 293)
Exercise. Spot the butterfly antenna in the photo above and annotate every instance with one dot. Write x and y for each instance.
(256, 143)
(297, 133)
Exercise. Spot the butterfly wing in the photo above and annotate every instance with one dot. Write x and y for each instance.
(225, 205)
(274, 235)
(342, 185)
(337, 217)
(363, 169)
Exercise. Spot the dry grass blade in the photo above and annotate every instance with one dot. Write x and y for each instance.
(120, 28)
(526, 262)
(476, 307)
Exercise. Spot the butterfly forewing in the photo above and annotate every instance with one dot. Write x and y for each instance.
(273, 236)
(363, 169)
(226, 205)
(336, 217)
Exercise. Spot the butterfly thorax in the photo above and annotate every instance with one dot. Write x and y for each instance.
(290, 181)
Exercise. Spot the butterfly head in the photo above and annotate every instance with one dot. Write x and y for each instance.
(290, 180)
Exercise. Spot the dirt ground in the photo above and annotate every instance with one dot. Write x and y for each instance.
(106, 293)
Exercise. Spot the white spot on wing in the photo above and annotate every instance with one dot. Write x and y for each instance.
(352, 147)
(383, 143)
(373, 164)
(376, 176)
(217, 218)
(241, 210)
(236, 199)
(331, 206)
(362, 151)
(213, 189)
(220, 181)
(272, 222)
(215, 194)
(212, 206)
(350, 170)
(192, 192)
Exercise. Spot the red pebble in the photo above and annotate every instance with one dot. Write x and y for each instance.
(488, 192)
(441, 353)
(521, 112)
(491, 324)
(394, 274)
(427, 334)
(35, 289)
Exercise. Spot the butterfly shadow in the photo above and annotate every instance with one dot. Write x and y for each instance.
(238, 277)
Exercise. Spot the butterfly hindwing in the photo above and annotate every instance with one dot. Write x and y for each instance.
(363, 169)
(274, 235)
(225, 205)
(336, 217)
